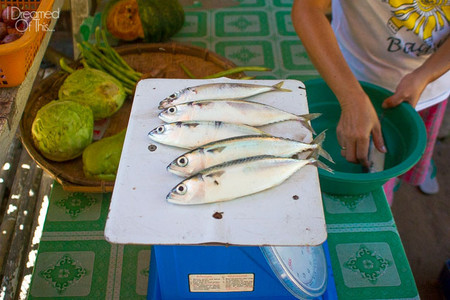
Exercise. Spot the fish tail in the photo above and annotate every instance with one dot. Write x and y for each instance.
(278, 87)
(321, 165)
(308, 117)
(318, 140)
(307, 125)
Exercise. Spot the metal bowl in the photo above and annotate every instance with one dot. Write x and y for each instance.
(403, 131)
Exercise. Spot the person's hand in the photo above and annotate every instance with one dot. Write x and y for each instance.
(408, 90)
(356, 124)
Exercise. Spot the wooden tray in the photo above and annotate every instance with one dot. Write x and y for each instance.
(159, 59)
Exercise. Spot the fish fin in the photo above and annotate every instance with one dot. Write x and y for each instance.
(308, 117)
(189, 124)
(314, 154)
(324, 167)
(307, 125)
(279, 85)
(321, 165)
(215, 174)
(217, 149)
(318, 140)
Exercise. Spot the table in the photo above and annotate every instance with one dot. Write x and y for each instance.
(368, 259)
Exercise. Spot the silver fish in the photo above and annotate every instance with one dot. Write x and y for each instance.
(219, 152)
(232, 111)
(193, 134)
(235, 179)
(214, 91)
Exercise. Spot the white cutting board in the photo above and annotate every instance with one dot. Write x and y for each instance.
(140, 214)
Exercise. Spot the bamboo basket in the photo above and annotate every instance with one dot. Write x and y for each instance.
(160, 60)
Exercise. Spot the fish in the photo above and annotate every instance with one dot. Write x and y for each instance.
(215, 91)
(221, 151)
(236, 179)
(192, 134)
(232, 111)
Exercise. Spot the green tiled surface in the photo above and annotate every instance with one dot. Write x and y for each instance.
(366, 252)
(253, 33)
(358, 211)
(371, 266)
(75, 261)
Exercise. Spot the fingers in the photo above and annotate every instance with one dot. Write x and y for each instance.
(392, 101)
(402, 95)
(389, 102)
(356, 151)
(362, 151)
(378, 140)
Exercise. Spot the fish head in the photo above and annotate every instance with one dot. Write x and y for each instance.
(165, 103)
(161, 133)
(189, 191)
(171, 114)
(186, 164)
(168, 101)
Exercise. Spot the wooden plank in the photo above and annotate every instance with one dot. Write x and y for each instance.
(8, 172)
(35, 233)
(24, 195)
(79, 10)
(14, 99)
(18, 202)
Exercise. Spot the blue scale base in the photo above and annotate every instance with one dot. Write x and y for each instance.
(171, 266)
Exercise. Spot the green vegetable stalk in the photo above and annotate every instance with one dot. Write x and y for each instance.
(103, 57)
(226, 72)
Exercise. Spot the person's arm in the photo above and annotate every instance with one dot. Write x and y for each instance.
(412, 85)
(358, 117)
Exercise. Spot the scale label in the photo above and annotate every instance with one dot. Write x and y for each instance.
(221, 283)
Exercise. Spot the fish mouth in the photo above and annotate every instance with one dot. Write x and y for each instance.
(175, 171)
(172, 198)
(153, 135)
(163, 117)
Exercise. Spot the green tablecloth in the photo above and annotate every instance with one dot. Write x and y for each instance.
(75, 261)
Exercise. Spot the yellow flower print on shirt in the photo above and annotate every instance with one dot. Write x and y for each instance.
(420, 16)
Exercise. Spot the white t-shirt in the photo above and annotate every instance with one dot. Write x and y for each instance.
(383, 40)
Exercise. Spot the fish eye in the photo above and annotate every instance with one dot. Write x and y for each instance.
(160, 129)
(181, 189)
(182, 161)
(172, 110)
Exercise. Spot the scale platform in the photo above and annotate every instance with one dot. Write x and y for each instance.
(290, 214)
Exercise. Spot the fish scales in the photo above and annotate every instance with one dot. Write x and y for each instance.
(193, 134)
(232, 111)
(236, 148)
(213, 91)
(235, 179)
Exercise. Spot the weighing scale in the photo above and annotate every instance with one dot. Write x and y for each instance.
(233, 272)
(235, 264)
